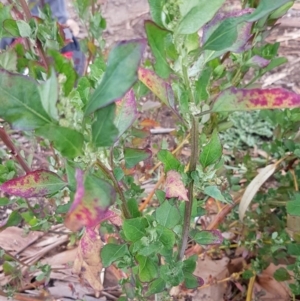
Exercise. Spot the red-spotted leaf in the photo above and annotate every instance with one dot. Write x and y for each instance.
(158, 87)
(126, 112)
(175, 187)
(87, 263)
(255, 99)
(34, 184)
(92, 199)
(135, 155)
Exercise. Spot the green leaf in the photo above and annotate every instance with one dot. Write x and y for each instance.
(104, 131)
(4, 201)
(166, 237)
(14, 219)
(167, 215)
(293, 207)
(34, 184)
(147, 268)
(4, 15)
(20, 102)
(156, 10)
(202, 85)
(214, 192)
(133, 208)
(281, 274)
(197, 14)
(168, 160)
(157, 286)
(120, 75)
(156, 39)
(212, 151)
(17, 28)
(134, 229)
(49, 95)
(189, 265)
(112, 252)
(264, 8)
(207, 237)
(126, 112)
(67, 141)
(133, 156)
(191, 281)
(8, 60)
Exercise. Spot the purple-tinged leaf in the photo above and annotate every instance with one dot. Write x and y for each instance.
(234, 99)
(175, 187)
(91, 201)
(38, 183)
(258, 61)
(159, 87)
(120, 75)
(135, 155)
(126, 112)
(205, 237)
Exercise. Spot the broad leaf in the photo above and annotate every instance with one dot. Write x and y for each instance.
(134, 155)
(157, 286)
(293, 207)
(113, 252)
(196, 15)
(8, 60)
(156, 10)
(135, 228)
(175, 187)
(4, 15)
(17, 28)
(191, 281)
(147, 268)
(255, 99)
(281, 274)
(212, 151)
(67, 141)
(20, 102)
(14, 219)
(166, 237)
(258, 62)
(167, 215)
(104, 131)
(213, 237)
(214, 192)
(168, 160)
(156, 39)
(120, 74)
(202, 85)
(34, 184)
(126, 112)
(91, 201)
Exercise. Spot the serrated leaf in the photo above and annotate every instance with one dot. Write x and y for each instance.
(156, 39)
(34, 184)
(196, 15)
(120, 74)
(134, 155)
(168, 160)
(91, 201)
(147, 268)
(112, 252)
(253, 187)
(126, 112)
(20, 102)
(175, 187)
(205, 237)
(67, 141)
(167, 215)
(212, 151)
(255, 99)
(134, 228)
(104, 131)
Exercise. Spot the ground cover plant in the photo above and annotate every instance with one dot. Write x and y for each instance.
(204, 66)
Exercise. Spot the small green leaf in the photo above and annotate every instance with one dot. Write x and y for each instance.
(189, 265)
(167, 215)
(147, 268)
(156, 10)
(166, 237)
(14, 219)
(8, 60)
(34, 184)
(133, 208)
(196, 14)
(67, 141)
(281, 274)
(168, 159)
(191, 281)
(156, 39)
(133, 156)
(17, 28)
(207, 237)
(202, 85)
(134, 229)
(112, 252)
(4, 15)
(157, 286)
(214, 192)
(212, 151)
(293, 207)
(104, 131)
(120, 75)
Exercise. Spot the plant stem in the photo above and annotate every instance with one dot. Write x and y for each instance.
(189, 204)
(111, 176)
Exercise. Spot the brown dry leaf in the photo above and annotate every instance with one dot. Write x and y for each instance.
(175, 187)
(211, 270)
(87, 263)
(272, 289)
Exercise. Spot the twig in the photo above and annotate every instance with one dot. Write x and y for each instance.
(232, 277)
(7, 141)
(111, 176)
(250, 288)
